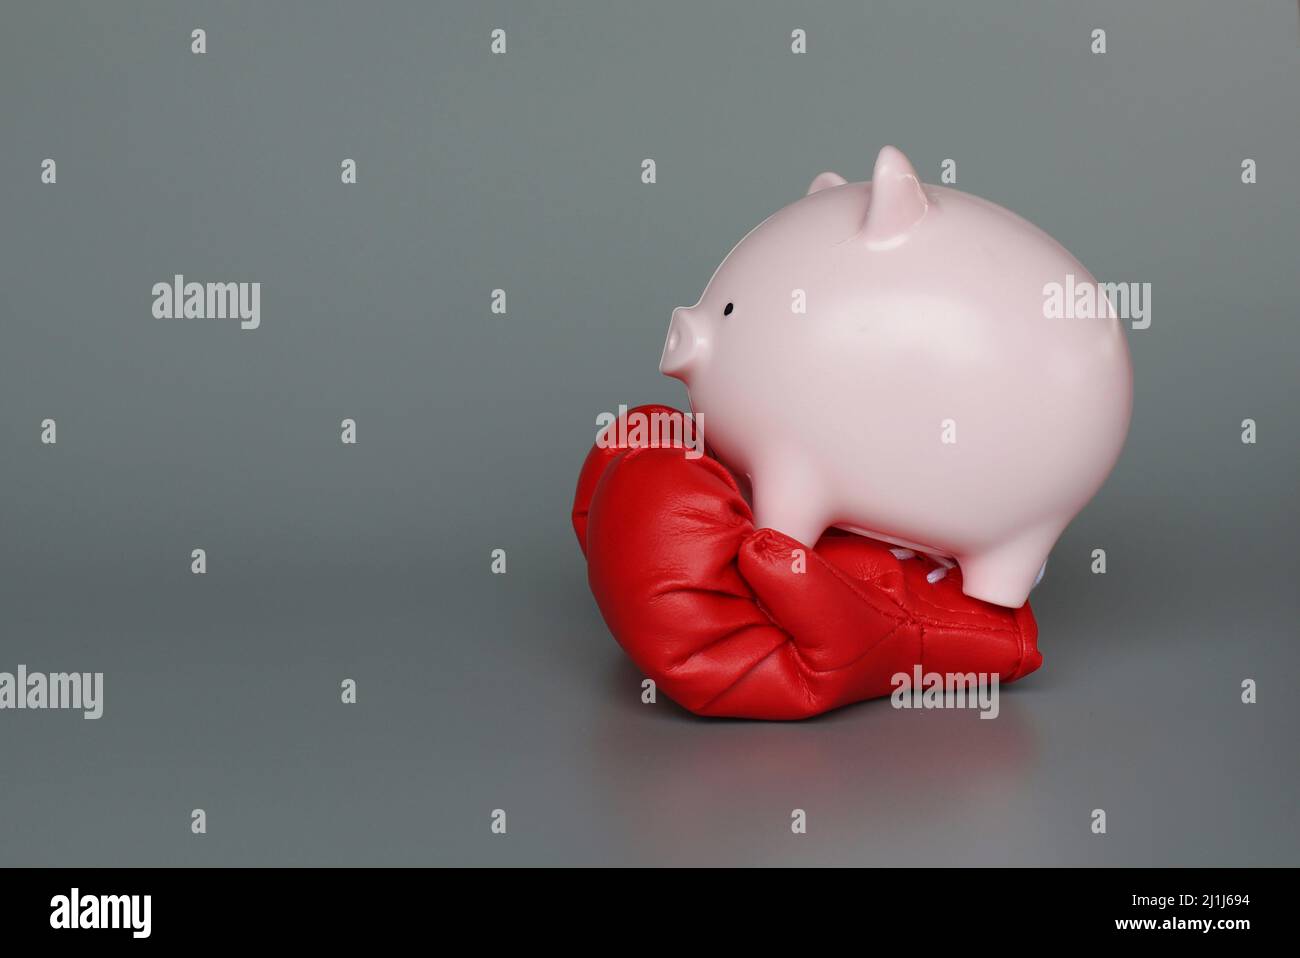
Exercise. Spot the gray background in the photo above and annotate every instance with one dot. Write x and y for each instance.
(522, 171)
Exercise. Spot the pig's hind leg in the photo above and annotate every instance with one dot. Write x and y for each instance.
(1005, 573)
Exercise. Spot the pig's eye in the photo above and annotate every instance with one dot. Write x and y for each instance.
(729, 308)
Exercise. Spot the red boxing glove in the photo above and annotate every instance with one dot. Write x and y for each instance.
(732, 621)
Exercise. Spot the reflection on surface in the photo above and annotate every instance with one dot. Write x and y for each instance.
(868, 775)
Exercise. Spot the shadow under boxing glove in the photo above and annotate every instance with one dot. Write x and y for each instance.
(729, 620)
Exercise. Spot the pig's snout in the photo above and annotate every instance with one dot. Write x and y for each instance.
(686, 346)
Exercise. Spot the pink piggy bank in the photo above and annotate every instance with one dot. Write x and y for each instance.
(878, 357)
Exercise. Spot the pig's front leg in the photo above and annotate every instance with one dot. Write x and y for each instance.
(789, 499)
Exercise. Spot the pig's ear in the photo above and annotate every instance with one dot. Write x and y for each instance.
(898, 200)
(825, 181)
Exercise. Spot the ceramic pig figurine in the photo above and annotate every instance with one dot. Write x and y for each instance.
(878, 357)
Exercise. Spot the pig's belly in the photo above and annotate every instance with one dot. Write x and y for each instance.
(895, 541)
